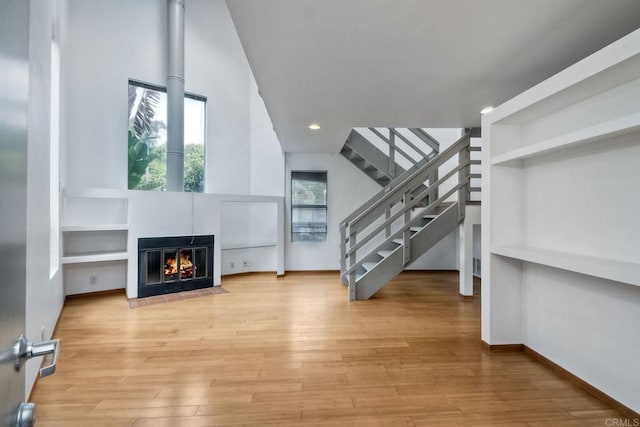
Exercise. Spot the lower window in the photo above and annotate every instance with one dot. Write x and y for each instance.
(308, 206)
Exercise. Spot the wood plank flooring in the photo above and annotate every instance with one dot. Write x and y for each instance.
(294, 351)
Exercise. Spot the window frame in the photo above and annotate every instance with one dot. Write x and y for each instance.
(163, 89)
(189, 95)
(325, 206)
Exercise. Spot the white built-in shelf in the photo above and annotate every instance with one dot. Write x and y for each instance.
(98, 257)
(619, 271)
(599, 132)
(96, 227)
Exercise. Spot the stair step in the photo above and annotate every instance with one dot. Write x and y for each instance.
(385, 253)
(415, 229)
(369, 265)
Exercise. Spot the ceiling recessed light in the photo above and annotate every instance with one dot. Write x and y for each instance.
(486, 110)
(314, 126)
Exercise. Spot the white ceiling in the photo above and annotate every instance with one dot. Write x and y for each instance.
(410, 63)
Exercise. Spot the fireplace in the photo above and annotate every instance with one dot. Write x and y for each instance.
(174, 264)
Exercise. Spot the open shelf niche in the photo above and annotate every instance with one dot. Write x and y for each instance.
(94, 226)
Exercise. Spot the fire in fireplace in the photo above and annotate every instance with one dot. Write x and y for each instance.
(174, 264)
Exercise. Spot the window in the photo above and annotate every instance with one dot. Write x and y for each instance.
(308, 206)
(147, 139)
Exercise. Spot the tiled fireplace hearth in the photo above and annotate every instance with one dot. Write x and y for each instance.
(174, 264)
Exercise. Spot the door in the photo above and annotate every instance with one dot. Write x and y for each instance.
(14, 82)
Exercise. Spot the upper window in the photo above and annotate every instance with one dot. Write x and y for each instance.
(147, 140)
(308, 206)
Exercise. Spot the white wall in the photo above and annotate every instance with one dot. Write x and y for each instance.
(248, 237)
(44, 294)
(347, 189)
(216, 67)
(586, 325)
(267, 159)
(243, 155)
(108, 43)
(128, 40)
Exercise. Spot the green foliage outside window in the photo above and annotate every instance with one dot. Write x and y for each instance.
(147, 135)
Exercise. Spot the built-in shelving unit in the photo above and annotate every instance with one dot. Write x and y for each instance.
(601, 132)
(94, 226)
(95, 257)
(561, 219)
(562, 162)
(610, 269)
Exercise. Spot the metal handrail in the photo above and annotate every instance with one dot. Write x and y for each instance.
(394, 147)
(426, 138)
(406, 141)
(404, 228)
(400, 189)
(408, 184)
(391, 185)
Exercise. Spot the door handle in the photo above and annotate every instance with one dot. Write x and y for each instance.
(24, 350)
(26, 416)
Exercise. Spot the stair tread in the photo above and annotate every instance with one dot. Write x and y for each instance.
(369, 265)
(385, 253)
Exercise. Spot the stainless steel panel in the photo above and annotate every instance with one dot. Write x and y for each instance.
(14, 82)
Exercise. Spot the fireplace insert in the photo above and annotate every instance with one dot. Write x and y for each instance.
(174, 264)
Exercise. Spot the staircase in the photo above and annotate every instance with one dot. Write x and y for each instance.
(413, 212)
(385, 157)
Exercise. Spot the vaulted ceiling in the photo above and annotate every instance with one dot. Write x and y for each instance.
(410, 63)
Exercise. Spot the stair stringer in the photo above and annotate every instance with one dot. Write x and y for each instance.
(362, 148)
(423, 240)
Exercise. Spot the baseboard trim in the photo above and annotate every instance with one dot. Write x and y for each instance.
(579, 382)
(97, 293)
(302, 272)
(502, 348)
(247, 273)
(595, 392)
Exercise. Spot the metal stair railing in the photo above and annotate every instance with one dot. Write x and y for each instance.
(399, 146)
(343, 224)
(354, 233)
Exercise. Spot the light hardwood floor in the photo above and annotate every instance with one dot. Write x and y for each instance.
(294, 351)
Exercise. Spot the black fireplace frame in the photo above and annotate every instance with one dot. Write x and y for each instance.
(146, 244)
